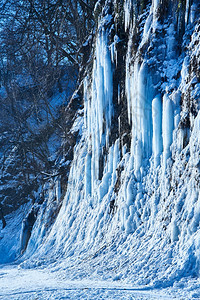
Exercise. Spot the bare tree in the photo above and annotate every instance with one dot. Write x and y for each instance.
(40, 42)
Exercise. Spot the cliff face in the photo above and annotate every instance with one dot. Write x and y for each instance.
(132, 206)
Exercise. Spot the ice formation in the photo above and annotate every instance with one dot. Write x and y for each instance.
(139, 206)
(167, 126)
(98, 108)
(157, 129)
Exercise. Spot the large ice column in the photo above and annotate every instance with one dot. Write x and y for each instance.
(188, 11)
(98, 107)
(157, 129)
(127, 10)
(128, 94)
(155, 5)
(134, 102)
(168, 126)
(103, 85)
(108, 86)
(139, 97)
(193, 12)
(144, 105)
(139, 93)
(131, 89)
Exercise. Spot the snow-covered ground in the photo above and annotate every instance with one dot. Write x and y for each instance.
(41, 284)
(17, 283)
(74, 278)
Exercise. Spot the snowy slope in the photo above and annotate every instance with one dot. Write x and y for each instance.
(131, 211)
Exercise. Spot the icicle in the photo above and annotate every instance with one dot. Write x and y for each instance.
(108, 84)
(194, 9)
(135, 113)
(128, 91)
(127, 10)
(58, 189)
(139, 91)
(147, 26)
(141, 108)
(87, 109)
(119, 98)
(99, 82)
(138, 160)
(88, 175)
(143, 105)
(85, 102)
(98, 106)
(124, 150)
(155, 6)
(187, 11)
(130, 192)
(157, 129)
(116, 155)
(168, 126)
